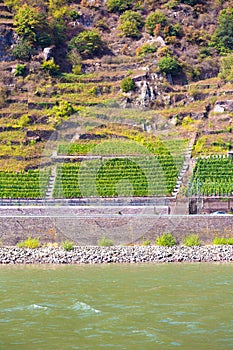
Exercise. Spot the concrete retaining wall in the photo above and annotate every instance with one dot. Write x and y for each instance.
(124, 224)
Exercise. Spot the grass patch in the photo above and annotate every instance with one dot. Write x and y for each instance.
(146, 242)
(105, 242)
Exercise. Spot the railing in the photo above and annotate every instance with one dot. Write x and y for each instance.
(117, 201)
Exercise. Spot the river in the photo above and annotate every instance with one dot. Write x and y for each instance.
(133, 307)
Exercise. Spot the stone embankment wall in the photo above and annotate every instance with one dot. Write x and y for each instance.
(116, 254)
(86, 225)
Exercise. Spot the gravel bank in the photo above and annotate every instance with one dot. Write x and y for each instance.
(116, 254)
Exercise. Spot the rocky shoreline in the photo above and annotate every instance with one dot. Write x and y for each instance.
(116, 254)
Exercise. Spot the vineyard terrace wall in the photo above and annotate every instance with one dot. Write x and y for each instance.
(87, 225)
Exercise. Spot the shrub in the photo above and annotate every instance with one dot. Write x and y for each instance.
(192, 240)
(60, 112)
(128, 84)
(50, 67)
(146, 49)
(166, 240)
(20, 70)
(105, 242)
(22, 50)
(226, 70)
(29, 243)
(168, 65)
(223, 240)
(87, 43)
(67, 245)
(131, 23)
(119, 5)
(77, 69)
(153, 19)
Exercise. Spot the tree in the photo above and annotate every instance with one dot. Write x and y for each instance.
(223, 36)
(119, 5)
(131, 23)
(168, 65)
(154, 19)
(30, 24)
(87, 43)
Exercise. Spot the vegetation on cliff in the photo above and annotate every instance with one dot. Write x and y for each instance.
(114, 69)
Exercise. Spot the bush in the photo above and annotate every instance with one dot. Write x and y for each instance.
(192, 240)
(166, 240)
(60, 112)
(168, 65)
(20, 70)
(22, 51)
(50, 67)
(67, 245)
(29, 243)
(223, 240)
(153, 19)
(226, 70)
(105, 242)
(128, 84)
(119, 5)
(131, 23)
(146, 49)
(88, 43)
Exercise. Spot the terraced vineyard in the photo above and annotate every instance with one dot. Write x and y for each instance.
(132, 176)
(24, 185)
(213, 176)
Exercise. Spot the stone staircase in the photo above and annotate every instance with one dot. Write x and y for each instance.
(49, 193)
(185, 167)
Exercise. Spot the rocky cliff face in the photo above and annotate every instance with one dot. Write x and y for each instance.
(6, 41)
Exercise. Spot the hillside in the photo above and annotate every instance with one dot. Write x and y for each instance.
(151, 72)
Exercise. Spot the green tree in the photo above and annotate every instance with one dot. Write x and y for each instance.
(30, 23)
(88, 43)
(155, 18)
(119, 5)
(130, 24)
(223, 36)
(168, 65)
(226, 70)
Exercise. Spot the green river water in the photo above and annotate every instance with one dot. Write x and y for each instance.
(146, 306)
